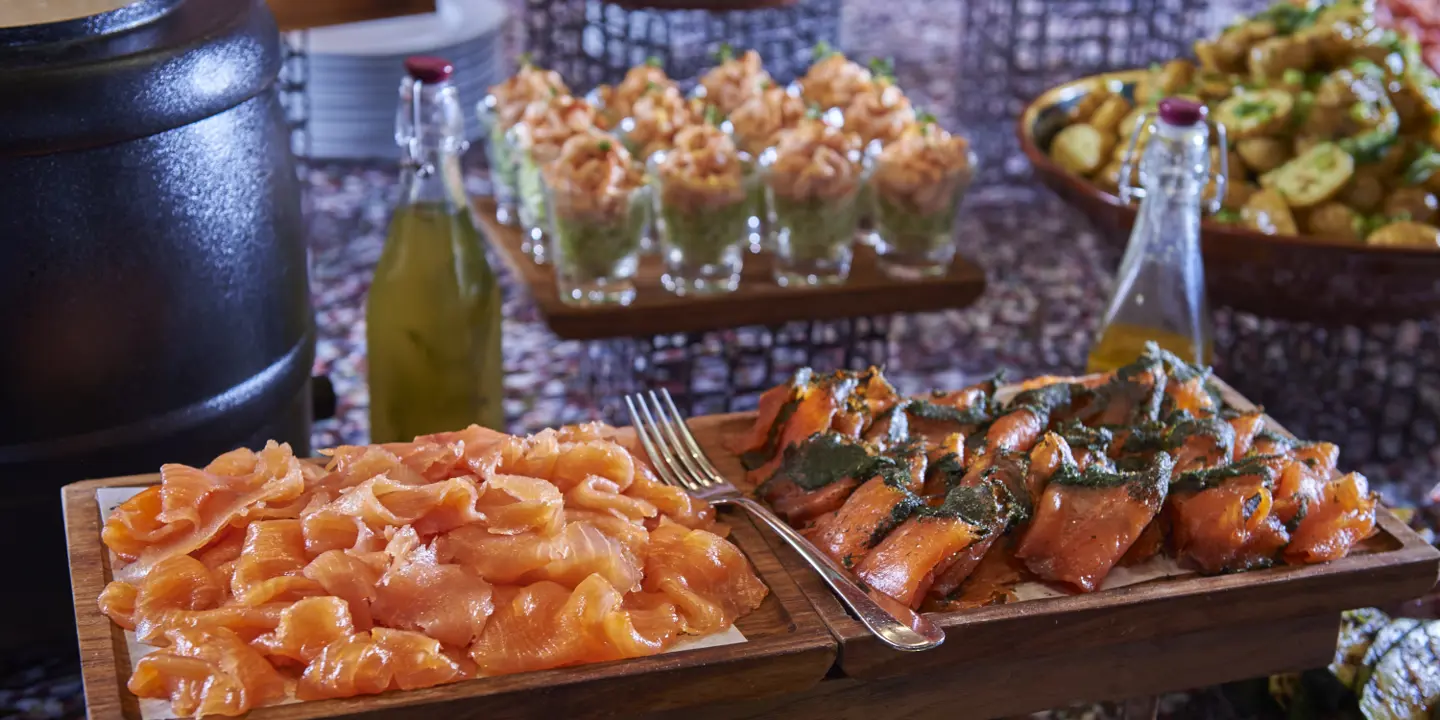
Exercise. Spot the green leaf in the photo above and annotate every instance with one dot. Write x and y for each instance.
(821, 51)
(604, 146)
(882, 68)
(654, 62)
(725, 53)
(925, 117)
(1423, 167)
(525, 59)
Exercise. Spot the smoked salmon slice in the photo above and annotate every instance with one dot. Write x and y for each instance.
(1086, 521)
(373, 662)
(708, 579)
(905, 563)
(870, 513)
(1222, 519)
(210, 672)
(1342, 514)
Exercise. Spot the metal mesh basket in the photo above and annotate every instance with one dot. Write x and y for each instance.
(1013, 50)
(591, 42)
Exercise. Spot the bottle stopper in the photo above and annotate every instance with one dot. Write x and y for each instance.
(1181, 112)
(428, 68)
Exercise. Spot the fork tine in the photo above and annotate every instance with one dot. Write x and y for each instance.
(668, 424)
(644, 434)
(691, 444)
(661, 456)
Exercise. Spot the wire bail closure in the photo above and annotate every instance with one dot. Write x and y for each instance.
(1129, 191)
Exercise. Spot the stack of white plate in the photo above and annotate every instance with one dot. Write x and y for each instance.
(355, 73)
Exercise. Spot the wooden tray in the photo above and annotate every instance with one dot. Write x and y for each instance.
(788, 650)
(1153, 637)
(759, 301)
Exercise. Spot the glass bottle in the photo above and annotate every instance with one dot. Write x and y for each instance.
(433, 313)
(1160, 289)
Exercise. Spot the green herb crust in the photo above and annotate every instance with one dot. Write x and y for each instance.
(1148, 484)
(822, 459)
(1083, 437)
(1200, 480)
(908, 504)
(976, 505)
(967, 416)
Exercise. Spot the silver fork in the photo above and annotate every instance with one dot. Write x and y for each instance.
(679, 461)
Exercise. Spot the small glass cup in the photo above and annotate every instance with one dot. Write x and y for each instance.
(703, 247)
(815, 236)
(596, 255)
(501, 153)
(530, 186)
(915, 237)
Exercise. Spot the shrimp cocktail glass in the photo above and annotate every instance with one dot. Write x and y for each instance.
(537, 138)
(701, 209)
(499, 111)
(755, 126)
(598, 203)
(879, 114)
(812, 183)
(919, 182)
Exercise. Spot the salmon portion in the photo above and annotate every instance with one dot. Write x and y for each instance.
(813, 414)
(1342, 515)
(903, 564)
(991, 582)
(207, 673)
(373, 662)
(546, 625)
(306, 627)
(869, 514)
(799, 506)
(708, 580)
(262, 577)
(1231, 526)
(1085, 523)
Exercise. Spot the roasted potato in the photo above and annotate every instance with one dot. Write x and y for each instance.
(1335, 219)
(1267, 212)
(1230, 52)
(1255, 113)
(1107, 117)
(1262, 154)
(1406, 234)
(1081, 149)
(1108, 179)
(1126, 128)
(1269, 59)
(1364, 192)
(1411, 203)
(1087, 105)
(1314, 177)
(1175, 76)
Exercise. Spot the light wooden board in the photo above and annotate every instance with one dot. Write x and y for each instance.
(758, 301)
(787, 650)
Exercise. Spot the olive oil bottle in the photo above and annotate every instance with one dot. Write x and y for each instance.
(433, 313)
(1160, 289)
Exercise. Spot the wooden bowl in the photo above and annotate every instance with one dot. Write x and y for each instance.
(1330, 281)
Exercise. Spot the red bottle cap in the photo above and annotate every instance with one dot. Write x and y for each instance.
(1181, 112)
(428, 69)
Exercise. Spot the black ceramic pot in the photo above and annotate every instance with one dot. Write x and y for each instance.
(154, 304)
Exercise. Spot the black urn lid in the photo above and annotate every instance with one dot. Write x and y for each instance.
(135, 71)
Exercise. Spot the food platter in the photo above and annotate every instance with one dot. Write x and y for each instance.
(1214, 616)
(759, 301)
(1303, 278)
(787, 650)
(1111, 644)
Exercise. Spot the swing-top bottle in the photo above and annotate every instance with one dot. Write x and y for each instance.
(1159, 291)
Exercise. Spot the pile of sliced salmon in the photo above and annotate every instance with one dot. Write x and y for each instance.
(952, 499)
(264, 577)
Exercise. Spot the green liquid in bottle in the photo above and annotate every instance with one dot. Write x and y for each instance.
(433, 328)
(433, 314)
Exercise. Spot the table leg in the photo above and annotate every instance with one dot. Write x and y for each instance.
(1141, 708)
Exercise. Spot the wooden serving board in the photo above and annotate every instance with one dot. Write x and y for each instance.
(1159, 636)
(758, 301)
(787, 650)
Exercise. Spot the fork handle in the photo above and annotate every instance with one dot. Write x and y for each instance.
(920, 635)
